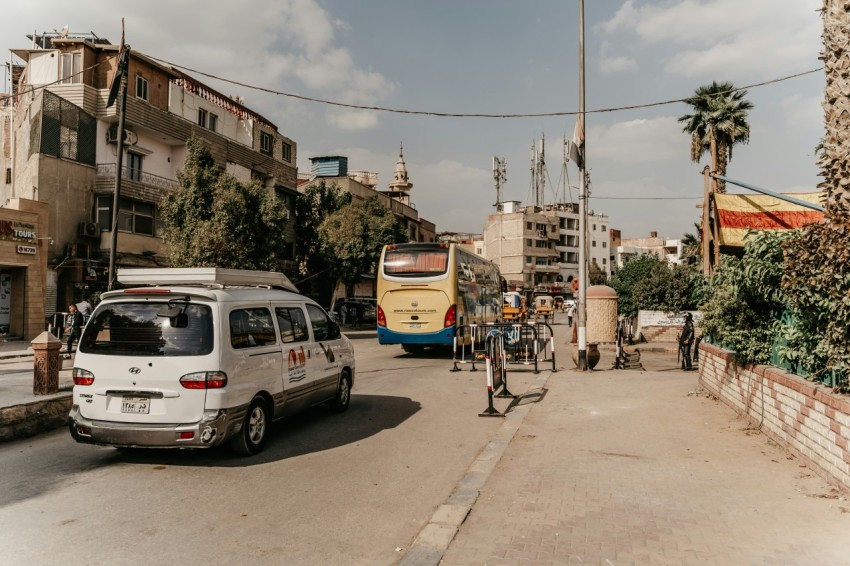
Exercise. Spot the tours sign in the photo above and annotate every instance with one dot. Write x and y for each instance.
(18, 231)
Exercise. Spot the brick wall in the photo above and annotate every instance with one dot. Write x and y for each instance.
(805, 417)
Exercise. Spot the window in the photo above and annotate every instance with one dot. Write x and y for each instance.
(528, 242)
(292, 324)
(604, 228)
(542, 261)
(134, 166)
(251, 327)
(8, 175)
(528, 259)
(134, 217)
(202, 117)
(266, 143)
(320, 322)
(604, 244)
(67, 142)
(139, 329)
(71, 67)
(604, 261)
(529, 225)
(594, 243)
(141, 87)
(594, 227)
(213, 123)
(287, 151)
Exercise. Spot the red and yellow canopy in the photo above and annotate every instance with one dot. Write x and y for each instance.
(738, 214)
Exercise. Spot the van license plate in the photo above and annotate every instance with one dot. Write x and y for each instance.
(415, 325)
(140, 405)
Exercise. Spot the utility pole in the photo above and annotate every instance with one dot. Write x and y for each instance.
(122, 68)
(582, 207)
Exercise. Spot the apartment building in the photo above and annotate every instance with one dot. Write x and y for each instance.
(65, 154)
(666, 249)
(539, 246)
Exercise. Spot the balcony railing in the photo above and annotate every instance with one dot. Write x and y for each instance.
(108, 170)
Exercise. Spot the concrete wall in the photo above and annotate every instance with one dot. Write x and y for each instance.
(805, 417)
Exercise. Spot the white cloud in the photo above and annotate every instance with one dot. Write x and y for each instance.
(352, 119)
(804, 111)
(727, 37)
(617, 64)
(638, 141)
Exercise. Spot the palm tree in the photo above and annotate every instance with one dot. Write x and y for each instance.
(833, 157)
(692, 246)
(718, 122)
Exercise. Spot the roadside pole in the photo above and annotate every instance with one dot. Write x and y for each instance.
(582, 208)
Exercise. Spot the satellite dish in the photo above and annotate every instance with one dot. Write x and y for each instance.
(63, 33)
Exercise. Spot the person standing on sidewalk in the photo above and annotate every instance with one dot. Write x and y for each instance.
(685, 341)
(76, 326)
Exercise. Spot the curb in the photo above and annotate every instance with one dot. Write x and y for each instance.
(434, 539)
(29, 419)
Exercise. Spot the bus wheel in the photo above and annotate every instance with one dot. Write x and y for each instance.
(413, 348)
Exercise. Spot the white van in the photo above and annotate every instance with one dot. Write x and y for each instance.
(200, 356)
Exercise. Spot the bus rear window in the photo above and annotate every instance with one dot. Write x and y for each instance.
(416, 263)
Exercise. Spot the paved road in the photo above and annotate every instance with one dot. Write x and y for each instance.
(329, 489)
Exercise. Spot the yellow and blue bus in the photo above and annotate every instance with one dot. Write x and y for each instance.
(425, 291)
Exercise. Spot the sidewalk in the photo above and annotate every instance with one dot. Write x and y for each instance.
(642, 467)
(22, 413)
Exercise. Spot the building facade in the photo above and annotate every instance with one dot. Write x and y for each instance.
(666, 249)
(539, 246)
(64, 141)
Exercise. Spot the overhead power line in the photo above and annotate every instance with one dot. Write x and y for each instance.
(461, 114)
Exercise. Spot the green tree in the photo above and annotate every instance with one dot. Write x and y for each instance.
(312, 207)
(692, 246)
(354, 236)
(596, 275)
(744, 307)
(817, 264)
(213, 220)
(626, 280)
(718, 122)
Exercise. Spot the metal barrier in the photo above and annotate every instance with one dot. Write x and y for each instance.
(497, 375)
(525, 343)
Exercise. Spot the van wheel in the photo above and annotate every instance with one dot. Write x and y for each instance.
(343, 393)
(255, 427)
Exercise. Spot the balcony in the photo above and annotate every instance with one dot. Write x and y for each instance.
(108, 170)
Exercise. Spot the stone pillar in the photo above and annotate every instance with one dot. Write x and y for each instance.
(601, 314)
(46, 348)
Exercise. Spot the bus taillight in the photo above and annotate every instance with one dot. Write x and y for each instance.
(451, 317)
(382, 319)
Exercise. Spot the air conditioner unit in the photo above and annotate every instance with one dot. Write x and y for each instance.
(77, 250)
(130, 137)
(89, 229)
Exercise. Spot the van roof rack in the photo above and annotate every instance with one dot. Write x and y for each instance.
(205, 276)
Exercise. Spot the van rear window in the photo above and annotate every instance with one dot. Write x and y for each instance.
(140, 329)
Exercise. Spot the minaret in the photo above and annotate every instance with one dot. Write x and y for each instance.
(401, 185)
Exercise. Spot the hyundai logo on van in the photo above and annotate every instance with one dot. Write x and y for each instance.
(134, 370)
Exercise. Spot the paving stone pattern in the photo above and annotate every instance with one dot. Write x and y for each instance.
(628, 468)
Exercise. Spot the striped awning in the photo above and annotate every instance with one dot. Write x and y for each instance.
(738, 214)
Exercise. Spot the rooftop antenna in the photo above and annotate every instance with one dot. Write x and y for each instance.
(500, 175)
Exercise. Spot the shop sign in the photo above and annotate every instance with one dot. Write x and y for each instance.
(17, 231)
(27, 250)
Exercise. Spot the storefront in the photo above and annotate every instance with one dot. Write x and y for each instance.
(24, 248)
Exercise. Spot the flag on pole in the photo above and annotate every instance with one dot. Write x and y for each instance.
(577, 145)
(123, 57)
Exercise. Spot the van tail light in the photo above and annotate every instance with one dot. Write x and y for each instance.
(82, 377)
(382, 319)
(451, 317)
(204, 380)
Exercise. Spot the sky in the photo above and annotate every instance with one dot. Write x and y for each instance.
(496, 57)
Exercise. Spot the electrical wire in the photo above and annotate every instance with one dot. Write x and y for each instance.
(469, 115)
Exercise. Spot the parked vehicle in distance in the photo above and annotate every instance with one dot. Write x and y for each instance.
(427, 290)
(513, 307)
(202, 356)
